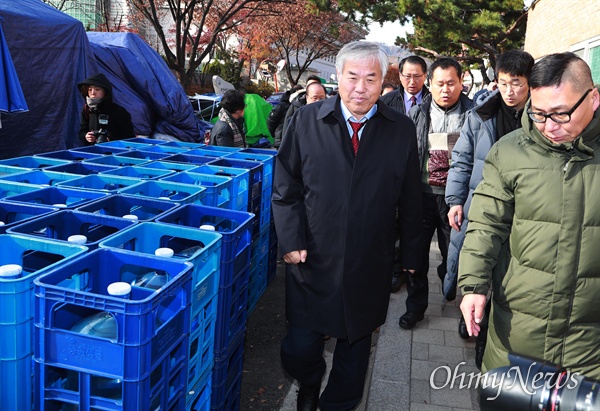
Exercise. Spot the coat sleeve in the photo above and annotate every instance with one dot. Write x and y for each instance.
(410, 209)
(288, 206)
(490, 222)
(124, 128)
(459, 175)
(223, 135)
(84, 127)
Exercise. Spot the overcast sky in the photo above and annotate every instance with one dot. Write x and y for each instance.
(388, 33)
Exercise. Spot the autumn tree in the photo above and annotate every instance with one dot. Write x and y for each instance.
(303, 34)
(195, 26)
(470, 31)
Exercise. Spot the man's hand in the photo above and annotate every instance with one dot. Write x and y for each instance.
(455, 217)
(90, 137)
(473, 309)
(295, 257)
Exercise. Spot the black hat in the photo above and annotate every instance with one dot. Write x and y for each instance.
(98, 80)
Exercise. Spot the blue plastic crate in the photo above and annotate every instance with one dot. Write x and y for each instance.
(80, 168)
(40, 178)
(168, 191)
(256, 173)
(220, 148)
(232, 313)
(265, 207)
(149, 322)
(139, 172)
(257, 282)
(125, 144)
(16, 313)
(8, 170)
(144, 140)
(61, 225)
(185, 158)
(62, 388)
(267, 157)
(71, 155)
(63, 197)
(218, 188)
(169, 165)
(259, 247)
(101, 182)
(227, 377)
(239, 187)
(33, 162)
(208, 153)
(272, 264)
(163, 149)
(9, 189)
(234, 226)
(118, 205)
(101, 149)
(200, 393)
(145, 155)
(183, 145)
(12, 214)
(116, 161)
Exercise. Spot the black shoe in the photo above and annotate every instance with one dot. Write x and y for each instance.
(410, 319)
(397, 281)
(462, 329)
(308, 397)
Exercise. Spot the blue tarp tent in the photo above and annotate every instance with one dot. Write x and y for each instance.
(51, 55)
(145, 86)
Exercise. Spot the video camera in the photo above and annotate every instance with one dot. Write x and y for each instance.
(102, 133)
(534, 385)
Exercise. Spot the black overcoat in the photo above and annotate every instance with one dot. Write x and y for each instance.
(341, 210)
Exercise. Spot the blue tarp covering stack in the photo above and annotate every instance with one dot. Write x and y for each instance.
(145, 86)
(51, 54)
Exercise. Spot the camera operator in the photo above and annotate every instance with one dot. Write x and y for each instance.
(540, 193)
(102, 119)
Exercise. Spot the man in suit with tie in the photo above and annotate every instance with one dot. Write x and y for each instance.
(413, 73)
(342, 170)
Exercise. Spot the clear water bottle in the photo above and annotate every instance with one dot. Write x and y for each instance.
(10, 271)
(155, 279)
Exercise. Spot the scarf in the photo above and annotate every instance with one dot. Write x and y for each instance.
(238, 138)
(93, 102)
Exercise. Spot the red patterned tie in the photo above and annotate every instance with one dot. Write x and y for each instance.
(355, 127)
(413, 101)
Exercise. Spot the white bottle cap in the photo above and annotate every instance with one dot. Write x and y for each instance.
(207, 227)
(59, 205)
(10, 270)
(77, 239)
(164, 198)
(2, 223)
(119, 289)
(131, 217)
(164, 252)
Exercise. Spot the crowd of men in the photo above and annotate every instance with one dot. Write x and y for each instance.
(508, 182)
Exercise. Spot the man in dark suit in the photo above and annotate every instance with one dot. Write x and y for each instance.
(345, 164)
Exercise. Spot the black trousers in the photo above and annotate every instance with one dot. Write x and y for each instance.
(435, 218)
(302, 358)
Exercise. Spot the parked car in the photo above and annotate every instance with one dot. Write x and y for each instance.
(206, 106)
(275, 98)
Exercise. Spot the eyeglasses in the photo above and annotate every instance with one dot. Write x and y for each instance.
(513, 85)
(560, 118)
(414, 77)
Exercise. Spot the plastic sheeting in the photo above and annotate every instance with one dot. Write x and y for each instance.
(51, 54)
(144, 85)
(255, 115)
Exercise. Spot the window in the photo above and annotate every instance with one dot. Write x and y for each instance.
(589, 50)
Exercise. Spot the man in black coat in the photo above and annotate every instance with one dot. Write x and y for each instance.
(102, 119)
(334, 199)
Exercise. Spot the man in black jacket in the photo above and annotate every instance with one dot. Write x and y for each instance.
(101, 118)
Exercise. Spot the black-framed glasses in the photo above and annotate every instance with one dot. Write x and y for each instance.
(415, 77)
(560, 118)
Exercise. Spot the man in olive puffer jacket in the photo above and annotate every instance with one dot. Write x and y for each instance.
(541, 186)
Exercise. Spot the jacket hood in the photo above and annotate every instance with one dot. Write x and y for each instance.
(98, 80)
(586, 142)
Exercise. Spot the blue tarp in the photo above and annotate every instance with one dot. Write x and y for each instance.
(51, 55)
(145, 86)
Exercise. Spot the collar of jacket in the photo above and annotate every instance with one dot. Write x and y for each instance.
(332, 106)
(490, 106)
(585, 143)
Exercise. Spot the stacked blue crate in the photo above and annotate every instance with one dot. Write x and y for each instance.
(141, 367)
(239, 186)
(71, 155)
(218, 188)
(141, 172)
(63, 224)
(32, 162)
(116, 160)
(144, 140)
(168, 191)
(62, 197)
(126, 145)
(8, 170)
(81, 168)
(202, 249)
(169, 165)
(101, 149)
(236, 228)
(188, 159)
(34, 256)
(100, 182)
(8, 189)
(40, 178)
(12, 214)
(118, 205)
